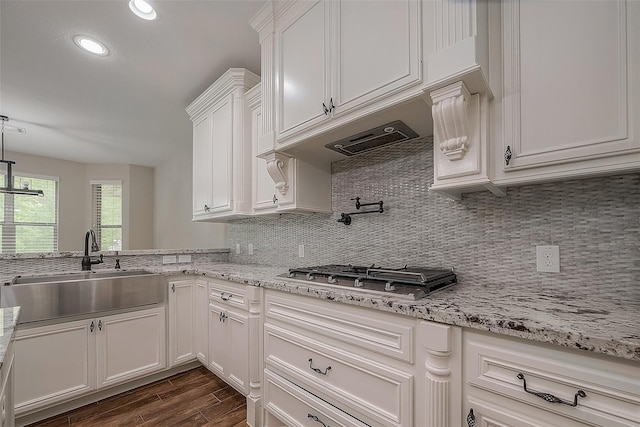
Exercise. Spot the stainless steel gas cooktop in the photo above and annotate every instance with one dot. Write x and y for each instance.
(410, 283)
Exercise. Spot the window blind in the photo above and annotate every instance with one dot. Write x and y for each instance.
(106, 209)
(29, 223)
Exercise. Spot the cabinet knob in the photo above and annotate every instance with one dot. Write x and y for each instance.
(92, 326)
(325, 109)
(173, 287)
(331, 106)
(206, 208)
(507, 155)
(275, 199)
(471, 418)
(99, 325)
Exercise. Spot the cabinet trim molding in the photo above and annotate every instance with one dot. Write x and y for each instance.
(277, 168)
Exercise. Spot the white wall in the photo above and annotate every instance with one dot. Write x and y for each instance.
(173, 227)
(141, 209)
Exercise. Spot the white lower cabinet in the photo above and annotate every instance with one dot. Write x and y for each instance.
(182, 294)
(58, 362)
(201, 321)
(234, 350)
(7, 416)
(336, 364)
(604, 390)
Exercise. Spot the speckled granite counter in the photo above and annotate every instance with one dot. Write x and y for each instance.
(9, 319)
(598, 320)
(588, 319)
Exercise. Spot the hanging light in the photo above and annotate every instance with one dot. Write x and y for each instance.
(9, 188)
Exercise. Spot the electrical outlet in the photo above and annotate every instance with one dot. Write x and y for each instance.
(301, 251)
(237, 248)
(250, 248)
(548, 259)
(169, 259)
(184, 258)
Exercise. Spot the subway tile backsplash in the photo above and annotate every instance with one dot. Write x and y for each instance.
(595, 221)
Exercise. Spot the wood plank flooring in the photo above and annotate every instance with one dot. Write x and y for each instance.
(193, 398)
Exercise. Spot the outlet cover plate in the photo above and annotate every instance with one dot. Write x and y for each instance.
(184, 258)
(548, 259)
(169, 259)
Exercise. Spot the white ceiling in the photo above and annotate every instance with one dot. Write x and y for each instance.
(127, 107)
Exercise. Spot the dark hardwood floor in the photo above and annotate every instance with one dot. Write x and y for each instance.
(193, 398)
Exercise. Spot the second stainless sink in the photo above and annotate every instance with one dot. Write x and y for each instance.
(59, 296)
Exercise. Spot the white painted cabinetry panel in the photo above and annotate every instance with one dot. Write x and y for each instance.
(181, 321)
(201, 321)
(496, 368)
(202, 171)
(570, 95)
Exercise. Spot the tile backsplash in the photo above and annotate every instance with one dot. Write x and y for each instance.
(595, 221)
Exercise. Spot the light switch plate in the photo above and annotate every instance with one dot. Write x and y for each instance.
(250, 249)
(184, 258)
(169, 259)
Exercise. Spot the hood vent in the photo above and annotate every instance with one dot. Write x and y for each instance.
(390, 133)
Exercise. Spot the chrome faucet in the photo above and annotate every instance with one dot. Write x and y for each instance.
(87, 262)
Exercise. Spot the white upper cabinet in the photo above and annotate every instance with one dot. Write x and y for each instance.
(283, 183)
(570, 93)
(222, 148)
(328, 63)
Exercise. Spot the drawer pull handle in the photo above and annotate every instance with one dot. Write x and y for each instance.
(316, 419)
(319, 370)
(225, 298)
(550, 397)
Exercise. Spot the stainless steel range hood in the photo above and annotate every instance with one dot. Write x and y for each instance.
(389, 133)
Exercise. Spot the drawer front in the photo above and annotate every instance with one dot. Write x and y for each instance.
(295, 407)
(228, 293)
(341, 378)
(385, 334)
(498, 411)
(502, 366)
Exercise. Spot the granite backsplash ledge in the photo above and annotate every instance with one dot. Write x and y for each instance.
(64, 262)
(488, 239)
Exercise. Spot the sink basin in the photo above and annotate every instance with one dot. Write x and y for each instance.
(87, 292)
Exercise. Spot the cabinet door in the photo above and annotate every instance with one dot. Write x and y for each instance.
(218, 345)
(130, 345)
(201, 329)
(569, 93)
(53, 363)
(302, 68)
(202, 168)
(377, 50)
(7, 417)
(222, 146)
(181, 314)
(237, 330)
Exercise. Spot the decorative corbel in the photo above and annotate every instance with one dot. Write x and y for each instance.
(277, 168)
(450, 119)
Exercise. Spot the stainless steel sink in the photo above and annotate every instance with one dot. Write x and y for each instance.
(88, 292)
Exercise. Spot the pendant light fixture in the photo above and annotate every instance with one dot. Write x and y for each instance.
(9, 189)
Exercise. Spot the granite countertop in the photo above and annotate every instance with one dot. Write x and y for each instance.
(9, 318)
(602, 321)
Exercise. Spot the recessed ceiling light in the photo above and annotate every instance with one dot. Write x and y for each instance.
(142, 9)
(91, 45)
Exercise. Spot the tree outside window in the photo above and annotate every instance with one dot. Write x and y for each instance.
(107, 214)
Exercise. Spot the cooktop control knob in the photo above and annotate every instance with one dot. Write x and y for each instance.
(389, 287)
(358, 283)
(332, 279)
(310, 276)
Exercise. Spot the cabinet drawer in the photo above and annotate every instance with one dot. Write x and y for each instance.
(340, 377)
(296, 407)
(611, 386)
(228, 293)
(385, 334)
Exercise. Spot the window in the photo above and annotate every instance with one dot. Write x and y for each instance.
(29, 223)
(107, 214)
